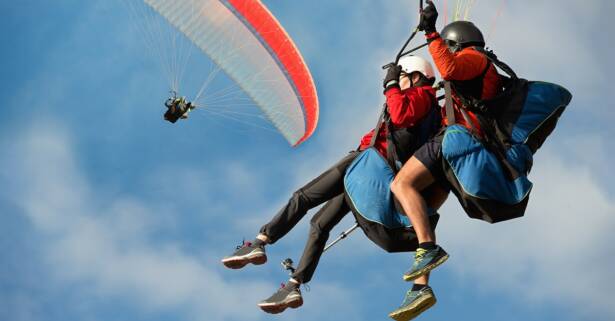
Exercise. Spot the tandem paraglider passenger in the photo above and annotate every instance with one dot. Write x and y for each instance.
(411, 103)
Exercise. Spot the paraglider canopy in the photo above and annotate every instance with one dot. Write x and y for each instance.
(246, 41)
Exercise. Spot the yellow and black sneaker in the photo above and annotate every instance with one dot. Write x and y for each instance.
(425, 260)
(415, 303)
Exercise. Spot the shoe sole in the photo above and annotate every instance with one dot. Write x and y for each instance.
(425, 270)
(414, 310)
(275, 308)
(237, 262)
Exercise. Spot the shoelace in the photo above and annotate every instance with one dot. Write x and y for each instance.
(419, 254)
(305, 286)
(243, 244)
(407, 297)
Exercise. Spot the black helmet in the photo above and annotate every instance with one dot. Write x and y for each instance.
(461, 34)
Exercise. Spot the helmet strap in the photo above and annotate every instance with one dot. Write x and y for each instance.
(423, 81)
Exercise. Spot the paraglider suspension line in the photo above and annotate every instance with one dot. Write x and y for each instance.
(401, 51)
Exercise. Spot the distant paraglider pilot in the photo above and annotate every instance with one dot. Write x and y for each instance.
(177, 107)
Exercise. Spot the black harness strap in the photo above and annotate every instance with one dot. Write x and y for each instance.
(391, 150)
(489, 126)
(381, 120)
(472, 90)
(448, 101)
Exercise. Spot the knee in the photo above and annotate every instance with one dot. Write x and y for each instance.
(403, 184)
(298, 197)
(394, 186)
(400, 184)
(317, 232)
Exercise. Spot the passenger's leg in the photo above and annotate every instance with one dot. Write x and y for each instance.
(290, 295)
(321, 225)
(323, 188)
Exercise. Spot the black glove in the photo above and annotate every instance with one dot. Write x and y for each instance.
(392, 77)
(429, 15)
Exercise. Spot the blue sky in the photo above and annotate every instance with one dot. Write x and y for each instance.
(109, 213)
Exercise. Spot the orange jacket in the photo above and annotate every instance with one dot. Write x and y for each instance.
(466, 64)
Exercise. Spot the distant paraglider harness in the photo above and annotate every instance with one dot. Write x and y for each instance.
(177, 107)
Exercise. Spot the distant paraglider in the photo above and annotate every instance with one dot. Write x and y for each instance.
(177, 108)
(243, 39)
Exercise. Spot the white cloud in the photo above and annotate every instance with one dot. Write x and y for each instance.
(558, 253)
(107, 245)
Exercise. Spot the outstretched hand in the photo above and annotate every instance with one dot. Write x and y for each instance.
(429, 16)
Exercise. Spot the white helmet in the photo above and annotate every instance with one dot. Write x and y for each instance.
(410, 64)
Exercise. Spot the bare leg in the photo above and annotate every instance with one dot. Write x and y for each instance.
(407, 185)
(263, 238)
(415, 189)
(423, 280)
(435, 196)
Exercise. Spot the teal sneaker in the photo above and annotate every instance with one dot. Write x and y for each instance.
(415, 303)
(425, 261)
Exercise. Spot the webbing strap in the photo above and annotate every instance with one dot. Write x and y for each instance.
(494, 59)
(469, 121)
(391, 150)
(448, 101)
(378, 126)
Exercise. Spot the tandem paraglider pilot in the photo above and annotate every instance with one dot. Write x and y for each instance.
(493, 125)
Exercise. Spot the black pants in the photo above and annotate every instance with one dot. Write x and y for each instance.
(328, 187)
